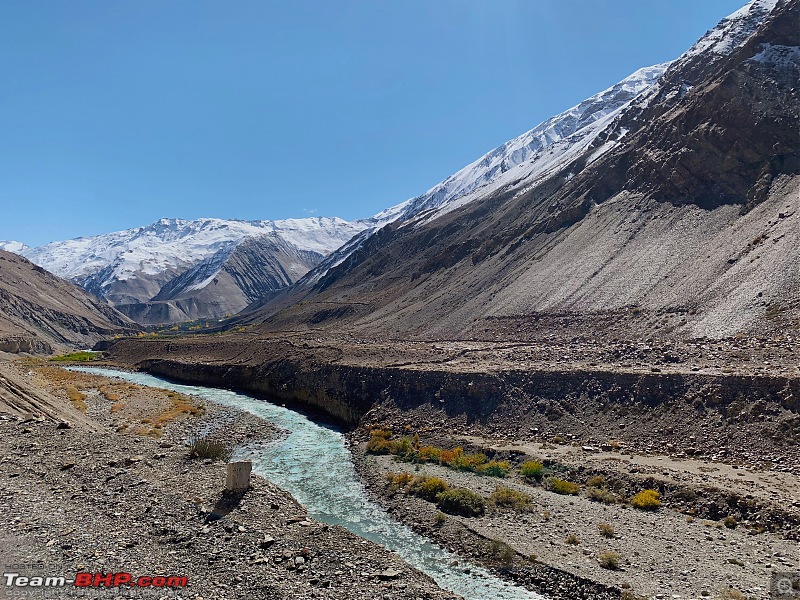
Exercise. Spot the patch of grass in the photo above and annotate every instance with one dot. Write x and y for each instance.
(439, 518)
(606, 530)
(572, 540)
(77, 398)
(531, 470)
(428, 488)
(83, 356)
(507, 497)
(461, 501)
(561, 486)
(609, 559)
(203, 447)
(646, 500)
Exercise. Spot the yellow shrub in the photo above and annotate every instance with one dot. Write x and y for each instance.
(646, 500)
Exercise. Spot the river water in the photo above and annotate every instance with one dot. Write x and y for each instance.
(313, 464)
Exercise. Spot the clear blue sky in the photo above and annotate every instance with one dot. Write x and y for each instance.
(114, 114)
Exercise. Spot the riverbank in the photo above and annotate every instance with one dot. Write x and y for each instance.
(558, 540)
(112, 493)
(705, 400)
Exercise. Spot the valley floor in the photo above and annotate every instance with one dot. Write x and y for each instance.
(673, 552)
(116, 492)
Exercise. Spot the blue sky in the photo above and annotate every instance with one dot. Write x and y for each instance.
(115, 114)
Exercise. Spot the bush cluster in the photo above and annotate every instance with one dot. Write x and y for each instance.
(458, 501)
(409, 449)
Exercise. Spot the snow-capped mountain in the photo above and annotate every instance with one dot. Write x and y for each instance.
(533, 155)
(661, 204)
(595, 125)
(132, 266)
(12, 246)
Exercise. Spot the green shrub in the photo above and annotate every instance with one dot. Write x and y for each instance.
(646, 500)
(560, 486)
(494, 468)
(203, 447)
(467, 462)
(460, 501)
(531, 469)
(428, 488)
(730, 522)
(504, 496)
(379, 445)
(439, 518)
(596, 481)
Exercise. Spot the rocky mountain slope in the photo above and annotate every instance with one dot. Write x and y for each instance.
(679, 217)
(131, 268)
(40, 312)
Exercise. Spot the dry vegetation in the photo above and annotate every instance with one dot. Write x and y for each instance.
(154, 409)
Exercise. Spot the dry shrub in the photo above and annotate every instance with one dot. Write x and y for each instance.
(77, 398)
(606, 530)
(609, 560)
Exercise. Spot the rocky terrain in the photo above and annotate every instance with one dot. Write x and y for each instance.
(40, 312)
(132, 501)
(567, 533)
(627, 313)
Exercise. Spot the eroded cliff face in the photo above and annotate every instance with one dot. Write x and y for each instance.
(698, 413)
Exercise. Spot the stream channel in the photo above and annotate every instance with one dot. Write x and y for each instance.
(313, 464)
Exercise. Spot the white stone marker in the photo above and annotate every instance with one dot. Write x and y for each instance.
(238, 478)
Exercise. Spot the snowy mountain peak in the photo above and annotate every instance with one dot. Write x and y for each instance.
(535, 152)
(12, 246)
(174, 245)
(734, 30)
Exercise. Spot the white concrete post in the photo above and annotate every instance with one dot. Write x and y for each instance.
(238, 477)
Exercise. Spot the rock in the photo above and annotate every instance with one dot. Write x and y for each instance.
(299, 560)
(63, 425)
(266, 542)
(388, 575)
(67, 465)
